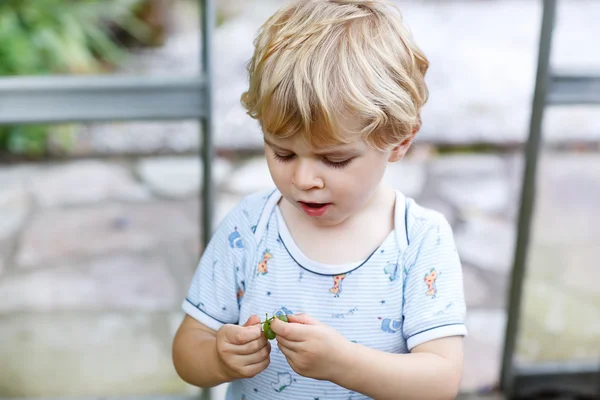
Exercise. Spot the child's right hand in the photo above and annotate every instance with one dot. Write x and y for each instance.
(244, 351)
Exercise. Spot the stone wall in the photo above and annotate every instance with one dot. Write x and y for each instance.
(96, 257)
(483, 57)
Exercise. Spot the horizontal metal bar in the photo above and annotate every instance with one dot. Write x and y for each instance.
(557, 368)
(581, 379)
(574, 88)
(29, 100)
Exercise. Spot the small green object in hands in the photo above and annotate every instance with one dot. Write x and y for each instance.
(268, 332)
(283, 318)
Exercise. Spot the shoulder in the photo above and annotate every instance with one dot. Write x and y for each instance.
(253, 205)
(247, 212)
(421, 221)
(235, 229)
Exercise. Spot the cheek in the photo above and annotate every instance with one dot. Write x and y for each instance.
(277, 170)
(365, 174)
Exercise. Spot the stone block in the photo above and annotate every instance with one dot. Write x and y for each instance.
(60, 234)
(252, 176)
(487, 243)
(122, 282)
(87, 354)
(476, 289)
(472, 182)
(86, 182)
(483, 349)
(407, 176)
(15, 206)
(178, 177)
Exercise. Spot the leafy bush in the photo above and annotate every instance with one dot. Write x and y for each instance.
(39, 37)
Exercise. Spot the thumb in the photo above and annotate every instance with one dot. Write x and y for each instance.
(303, 319)
(253, 320)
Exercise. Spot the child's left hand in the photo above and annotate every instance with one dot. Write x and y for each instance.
(313, 349)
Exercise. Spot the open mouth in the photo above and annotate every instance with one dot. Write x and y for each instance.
(314, 205)
(314, 209)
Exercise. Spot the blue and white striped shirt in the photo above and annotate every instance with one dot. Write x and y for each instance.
(407, 292)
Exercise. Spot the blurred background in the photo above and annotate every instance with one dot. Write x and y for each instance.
(100, 222)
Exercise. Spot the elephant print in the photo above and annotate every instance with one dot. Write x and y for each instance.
(235, 240)
(391, 325)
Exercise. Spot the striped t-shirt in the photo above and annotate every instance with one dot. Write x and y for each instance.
(407, 292)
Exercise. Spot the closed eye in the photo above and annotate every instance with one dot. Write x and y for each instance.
(337, 164)
(283, 157)
(334, 164)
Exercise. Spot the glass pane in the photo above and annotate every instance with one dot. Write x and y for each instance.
(97, 249)
(561, 310)
(560, 314)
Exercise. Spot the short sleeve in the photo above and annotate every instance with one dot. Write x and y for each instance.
(218, 284)
(434, 304)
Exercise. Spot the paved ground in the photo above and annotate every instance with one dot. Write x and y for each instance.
(95, 257)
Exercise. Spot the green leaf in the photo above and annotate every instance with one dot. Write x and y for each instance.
(59, 36)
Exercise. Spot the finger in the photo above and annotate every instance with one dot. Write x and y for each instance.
(251, 347)
(253, 320)
(257, 357)
(240, 335)
(294, 332)
(287, 352)
(247, 358)
(255, 369)
(288, 344)
(304, 319)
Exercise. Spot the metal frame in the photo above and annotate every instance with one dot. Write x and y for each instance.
(34, 100)
(25, 100)
(28, 100)
(550, 89)
(208, 20)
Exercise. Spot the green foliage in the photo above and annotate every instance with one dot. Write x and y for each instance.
(39, 37)
(64, 36)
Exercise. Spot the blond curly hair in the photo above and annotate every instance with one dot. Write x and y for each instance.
(317, 60)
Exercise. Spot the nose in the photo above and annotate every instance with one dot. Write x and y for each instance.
(306, 176)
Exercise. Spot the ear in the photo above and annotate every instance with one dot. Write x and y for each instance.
(400, 150)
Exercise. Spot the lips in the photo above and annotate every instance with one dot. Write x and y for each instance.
(314, 209)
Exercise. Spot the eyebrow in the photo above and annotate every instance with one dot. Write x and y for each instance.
(331, 152)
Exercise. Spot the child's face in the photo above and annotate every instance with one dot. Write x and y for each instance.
(327, 185)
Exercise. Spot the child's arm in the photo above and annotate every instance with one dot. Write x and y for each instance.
(211, 347)
(432, 371)
(195, 355)
(206, 358)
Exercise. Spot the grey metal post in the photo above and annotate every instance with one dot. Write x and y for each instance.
(207, 12)
(527, 196)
